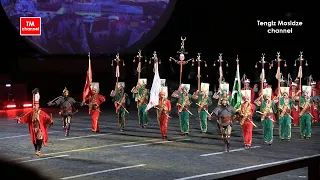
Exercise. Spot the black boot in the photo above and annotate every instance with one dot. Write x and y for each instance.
(67, 129)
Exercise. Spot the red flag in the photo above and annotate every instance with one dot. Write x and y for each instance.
(87, 86)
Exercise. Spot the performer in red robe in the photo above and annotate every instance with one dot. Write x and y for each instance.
(95, 100)
(163, 111)
(246, 122)
(246, 83)
(38, 122)
(293, 94)
(314, 108)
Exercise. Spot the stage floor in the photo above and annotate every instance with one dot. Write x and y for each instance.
(141, 153)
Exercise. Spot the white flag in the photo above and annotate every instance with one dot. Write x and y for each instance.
(117, 71)
(278, 74)
(300, 72)
(262, 75)
(155, 89)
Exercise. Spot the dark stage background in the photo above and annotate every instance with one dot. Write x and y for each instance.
(210, 27)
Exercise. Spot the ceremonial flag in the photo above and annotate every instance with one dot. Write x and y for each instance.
(262, 75)
(87, 87)
(300, 72)
(117, 71)
(278, 74)
(155, 89)
(236, 91)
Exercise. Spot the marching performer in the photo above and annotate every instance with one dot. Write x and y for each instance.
(67, 105)
(267, 109)
(184, 102)
(314, 108)
(246, 83)
(246, 111)
(163, 111)
(305, 112)
(94, 101)
(224, 112)
(294, 94)
(284, 108)
(141, 94)
(38, 122)
(121, 101)
(204, 101)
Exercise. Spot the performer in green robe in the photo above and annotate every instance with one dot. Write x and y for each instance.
(204, 101)
(121, 101)
(305, 114)
(285, 106)
(267, 108)
(141, 94)
(184, 101)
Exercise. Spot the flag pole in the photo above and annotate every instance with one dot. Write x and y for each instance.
(117, 61)
(278, 74)
(90, 80)
(198, 60)
(262, 76)
(139, 57)
(181, 62)
(220, 61)
(300, 76)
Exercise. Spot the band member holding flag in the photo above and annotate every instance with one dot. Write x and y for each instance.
(91, 94)
(184, 102)
(163, 111)
(141, 93)
(284, 108)
(94, 101)
(38, 122)
(182, 62)
(306, 103)
(267, 108)
(119, 97)
(224, 113)
(67, 106)
(121, 102)
(204, 101)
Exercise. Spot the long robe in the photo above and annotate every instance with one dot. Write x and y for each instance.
(285, 106)
(120, 108)
(44, 119)
(97, 99)
(306, 117)
(204, 101)
(267, 122)
(164, 109)
(184, 114)
(246, 112)
(143, 96)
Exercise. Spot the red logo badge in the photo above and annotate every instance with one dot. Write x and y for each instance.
(30, 26)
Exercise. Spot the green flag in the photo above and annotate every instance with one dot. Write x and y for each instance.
(236, 91)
